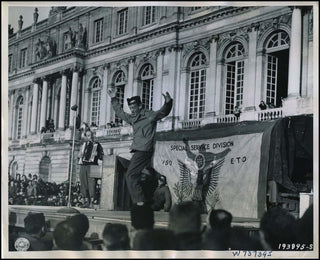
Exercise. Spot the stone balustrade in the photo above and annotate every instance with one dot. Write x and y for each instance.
(226, 119)
(187, 124)
(269, 114)
(166, 125)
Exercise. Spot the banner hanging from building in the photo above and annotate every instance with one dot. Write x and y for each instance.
(220, 173)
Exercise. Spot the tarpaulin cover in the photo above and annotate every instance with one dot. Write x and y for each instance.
(225, 165)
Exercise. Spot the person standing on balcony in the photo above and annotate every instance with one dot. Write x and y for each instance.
(262, 105)
(237, 111)
(89, 155)
(144, 123)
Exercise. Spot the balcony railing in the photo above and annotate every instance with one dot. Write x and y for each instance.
(191, 124)
(227, 119)
(269, 114)
(66, 135)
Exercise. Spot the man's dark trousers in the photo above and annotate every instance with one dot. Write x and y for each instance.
(87, 184)
(138, 162)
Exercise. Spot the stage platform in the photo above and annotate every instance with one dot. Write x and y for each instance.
(99, 217)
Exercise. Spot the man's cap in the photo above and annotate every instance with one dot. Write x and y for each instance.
(134, 100)
(36, 217)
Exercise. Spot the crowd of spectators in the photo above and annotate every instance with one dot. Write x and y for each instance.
(31, 190)
(185, 231)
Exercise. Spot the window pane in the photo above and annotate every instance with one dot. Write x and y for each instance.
(98, 30)
(123, 21)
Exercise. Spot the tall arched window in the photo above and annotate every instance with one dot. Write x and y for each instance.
(234, 77)
(119, 83)
(95, 101)
(45, 168)
(277, 59)
(19, 115)
(147, 77)
(14, 169)
(197, 86)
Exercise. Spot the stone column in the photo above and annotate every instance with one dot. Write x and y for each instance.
(310, 70)
(56, 104)
(51, 101)
(174, 81)
(157, 91)
(291, 104)
(219, 88)
(135, 89)
(14, 121)
(34, 107)
(103, 105)
(260, 92)
(80, 92)
(130, 89)
(49, 93)
(182, 100)
(11, 118)
(39, 108)
(84, 114)
(29, 117)
(63, 95)
(295, 54)
(74, 92)
(310, 55)
(211, 77)
(305, 53)
(55, 113)
(44, 102)
(25, 113)
(249, 87)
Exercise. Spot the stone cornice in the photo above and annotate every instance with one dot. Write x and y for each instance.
(159, 31)
(63, 56)
(134, 39)
(22, 75)
(217, 14)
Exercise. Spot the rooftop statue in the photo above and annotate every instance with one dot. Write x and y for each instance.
(20, 22)
(35, 16)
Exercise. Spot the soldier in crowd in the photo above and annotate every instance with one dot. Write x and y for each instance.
(162, 196)
(116, 237)
(33, 238)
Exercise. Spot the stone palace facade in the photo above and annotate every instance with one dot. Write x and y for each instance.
(209, 58)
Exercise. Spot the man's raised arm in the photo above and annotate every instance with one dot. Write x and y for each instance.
(166, 108)
(117, 107)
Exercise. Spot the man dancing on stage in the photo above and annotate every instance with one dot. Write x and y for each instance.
(144, 123)
(89, 154)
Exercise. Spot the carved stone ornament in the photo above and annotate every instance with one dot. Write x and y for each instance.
(232, 35)
(45, 49)
(196, 45)
(274, 23)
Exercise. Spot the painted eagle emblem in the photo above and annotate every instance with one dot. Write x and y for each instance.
(205, 167)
